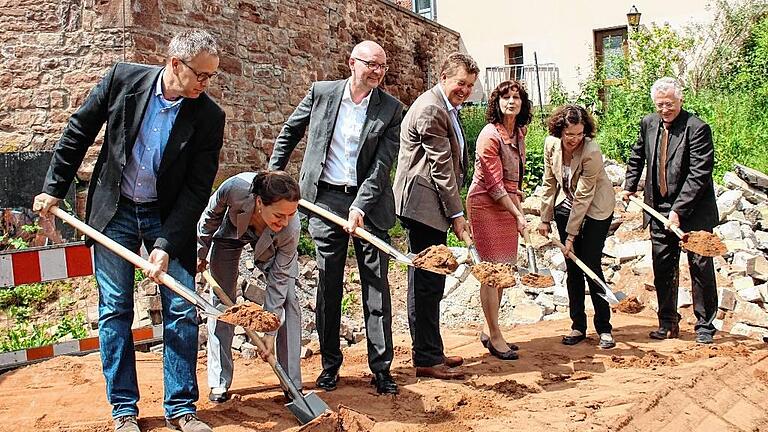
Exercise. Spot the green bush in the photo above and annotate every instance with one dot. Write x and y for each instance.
(306, 245)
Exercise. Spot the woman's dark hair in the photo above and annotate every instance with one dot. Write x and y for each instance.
(273, 186)
(568, 115)
(493, 114)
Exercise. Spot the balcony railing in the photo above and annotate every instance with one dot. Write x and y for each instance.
(548, 73)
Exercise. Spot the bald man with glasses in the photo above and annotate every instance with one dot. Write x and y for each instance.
(353, 132)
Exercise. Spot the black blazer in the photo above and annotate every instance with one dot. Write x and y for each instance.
(690, 160)
(187, 169)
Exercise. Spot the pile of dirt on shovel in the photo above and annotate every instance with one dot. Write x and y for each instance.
(438, 259)
(496, 275)
(347, 420)
(251, 316)
(703, 243)
(630, 305)
(535, 280)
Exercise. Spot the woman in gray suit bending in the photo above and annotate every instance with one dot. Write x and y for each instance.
(259, 209)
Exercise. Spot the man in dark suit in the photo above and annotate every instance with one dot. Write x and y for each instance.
(677, 148)
(150, 184)
(352, 142)
(431, 169)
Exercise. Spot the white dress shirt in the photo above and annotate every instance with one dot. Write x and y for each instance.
(341, 160)
(453, 112)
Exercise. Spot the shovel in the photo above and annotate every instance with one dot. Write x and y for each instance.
(166, 279)
(607, 294)
(365, 235)
(306, 407)
(473, 254)
(678, 232)
(532, 267)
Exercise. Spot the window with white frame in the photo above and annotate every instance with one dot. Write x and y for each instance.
(425, 8)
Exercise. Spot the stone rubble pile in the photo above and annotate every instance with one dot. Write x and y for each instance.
(628, 269)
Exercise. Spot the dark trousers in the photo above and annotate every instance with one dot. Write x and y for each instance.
(425, 290)
(588, 246)
(331, 245)
(666, 278)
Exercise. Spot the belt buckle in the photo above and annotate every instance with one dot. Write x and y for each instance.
(348, 189)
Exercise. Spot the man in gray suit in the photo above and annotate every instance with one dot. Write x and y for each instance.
(431, 170)
(352, 142)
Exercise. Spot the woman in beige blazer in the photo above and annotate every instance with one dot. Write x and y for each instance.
(580, 198)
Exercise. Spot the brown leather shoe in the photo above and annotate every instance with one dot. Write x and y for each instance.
(441, 371)
(453, 361)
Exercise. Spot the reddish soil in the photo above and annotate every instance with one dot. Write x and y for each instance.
(251, 316)
(438, 259)
(703, 243)
(630, 305)
(641, 385)
(536, 280)
(497, 275)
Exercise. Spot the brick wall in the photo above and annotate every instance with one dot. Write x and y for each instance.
(53, 51)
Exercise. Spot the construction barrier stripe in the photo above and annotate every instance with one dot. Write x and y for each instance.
(45, 264)
(23, 357)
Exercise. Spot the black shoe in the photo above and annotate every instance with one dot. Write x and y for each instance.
(665, 333)
(704, 338)
(328, 379)
(384, 383)
(218, 397)
(484, 339)
(510, 354)
(573, 339)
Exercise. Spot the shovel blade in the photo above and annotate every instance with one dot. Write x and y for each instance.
(308, 408)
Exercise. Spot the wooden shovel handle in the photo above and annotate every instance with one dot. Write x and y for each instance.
(578, 262)
(134, 259)
(224, 298)
(360, 232)
(678, 232)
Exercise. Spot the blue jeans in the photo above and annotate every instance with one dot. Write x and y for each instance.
(132, 225)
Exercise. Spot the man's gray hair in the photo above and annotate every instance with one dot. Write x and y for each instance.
(664, 85)
(189, 43)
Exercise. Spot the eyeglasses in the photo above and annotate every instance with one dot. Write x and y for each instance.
(201, 76)
(373, 65)
(573, 136)
(663, 105)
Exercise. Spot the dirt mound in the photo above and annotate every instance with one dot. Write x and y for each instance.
(630, 305)
(509, 388)
(497, 275)
(251, 316)
(650, 360)
(536, 280)
(347, 420)
(438, 259)
(708, 351)
(703, 243)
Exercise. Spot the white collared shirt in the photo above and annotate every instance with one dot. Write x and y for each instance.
(341, 160)
(454, 113)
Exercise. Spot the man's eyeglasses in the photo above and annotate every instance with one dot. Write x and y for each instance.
(201, 76)
(665, 105)
(373, 65)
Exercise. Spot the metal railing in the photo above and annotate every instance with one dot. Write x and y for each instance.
(548, 74)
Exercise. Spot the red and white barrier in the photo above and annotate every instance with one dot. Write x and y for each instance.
(45, 264)
(18, 358)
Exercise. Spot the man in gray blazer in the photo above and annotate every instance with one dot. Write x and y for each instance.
(677, 148)
(352, 142)
(431, 170)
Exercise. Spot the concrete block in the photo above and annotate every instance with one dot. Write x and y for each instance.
(527, 313)
(560, 295)
(758, 268)
(684, 297)
(726, 298)
(750, 313)
(751, 294)
(728, 202)
(730, 230)
(546, 302)
(743, 283)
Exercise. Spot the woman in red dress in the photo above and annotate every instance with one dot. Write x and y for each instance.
(493, 202)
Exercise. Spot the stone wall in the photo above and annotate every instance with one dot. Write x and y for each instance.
(53, 51)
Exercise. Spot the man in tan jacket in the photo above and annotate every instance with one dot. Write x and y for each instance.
(431, 169)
